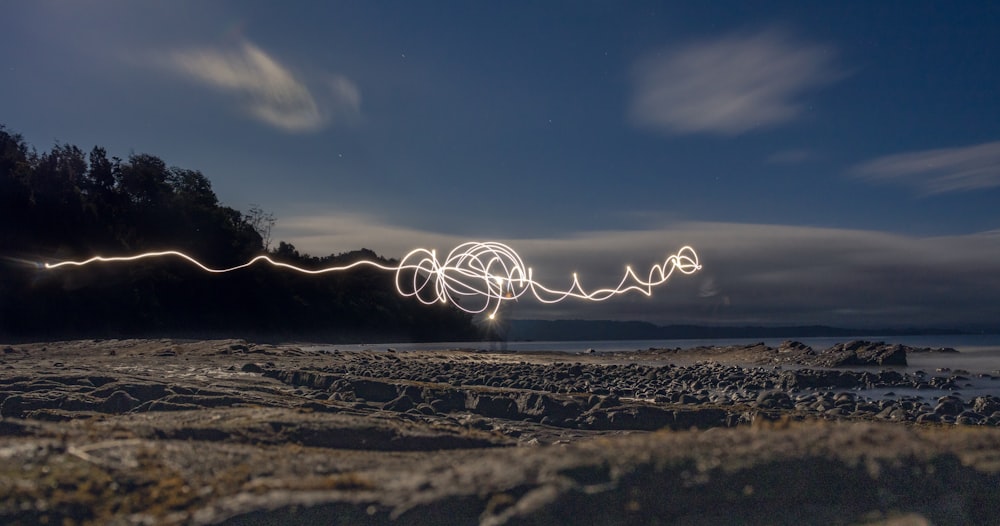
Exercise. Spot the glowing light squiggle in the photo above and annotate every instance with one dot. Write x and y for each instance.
(487, 273)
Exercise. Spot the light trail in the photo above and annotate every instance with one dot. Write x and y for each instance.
(488, 273)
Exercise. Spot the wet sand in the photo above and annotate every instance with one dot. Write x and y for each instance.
(233, 432)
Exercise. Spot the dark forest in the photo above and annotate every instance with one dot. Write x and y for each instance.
(67, 204)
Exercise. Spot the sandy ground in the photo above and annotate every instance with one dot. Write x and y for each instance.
(232, 432)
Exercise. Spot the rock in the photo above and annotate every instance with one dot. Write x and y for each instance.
(426, 409)
(251, 368)
(688, 399)
(494, 406)
(374, 391)
(142, 392)
(119, 402)
(545, 406)
(949, 405)
(844, 399)
(176, 462)
(926, 418)
(862, 353)
(401, 403)
(412, 392)
(775, 400)
(812, 378)
(160, 405)
(15, 405)
(646, 418)
(969, 418)
(986, 404)
(945, 350)
(899, 414)
(702, 418)
(790, 346)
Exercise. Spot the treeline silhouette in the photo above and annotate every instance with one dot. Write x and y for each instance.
(65, 204)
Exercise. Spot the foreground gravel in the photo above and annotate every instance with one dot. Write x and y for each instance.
(177, 432)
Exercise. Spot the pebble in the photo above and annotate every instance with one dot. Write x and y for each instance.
(826, 392)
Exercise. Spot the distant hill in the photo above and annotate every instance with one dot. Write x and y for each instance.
(577, 330)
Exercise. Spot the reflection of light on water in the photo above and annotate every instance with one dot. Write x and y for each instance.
(476, 277)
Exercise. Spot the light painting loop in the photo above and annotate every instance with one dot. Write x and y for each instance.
(476, 276)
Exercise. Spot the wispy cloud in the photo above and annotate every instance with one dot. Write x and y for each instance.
(939, 171)
(268, 90)
(730, 85)
(753, 274)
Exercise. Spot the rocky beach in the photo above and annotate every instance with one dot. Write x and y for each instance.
(235, 432)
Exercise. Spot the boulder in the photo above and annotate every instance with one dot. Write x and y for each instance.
(374, 391)
(949, 405)
(862, 353)
(119, 402)
(775, 399)
(791, 346)
(986, 404)
(400, 404)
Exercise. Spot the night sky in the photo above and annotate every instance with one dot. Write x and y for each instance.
(831, 162)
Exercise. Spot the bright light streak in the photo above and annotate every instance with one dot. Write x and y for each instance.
(475, 277)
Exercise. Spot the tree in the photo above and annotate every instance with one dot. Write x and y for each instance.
(100, 180)
(143, 180)
(15, 170)
(262, 222)
(57, 175)
(192, 188)
(286, 251)
(13, 153)
(63, 204)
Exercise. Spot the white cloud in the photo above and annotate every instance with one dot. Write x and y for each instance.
(268, 89)
(753, 274)
(941, 170)
(729, 85)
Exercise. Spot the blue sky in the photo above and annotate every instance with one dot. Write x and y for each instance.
(832, 162)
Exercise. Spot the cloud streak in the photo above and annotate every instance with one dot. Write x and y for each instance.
(267, 89)
(939, 171)
(753, 274)
(728, 86)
